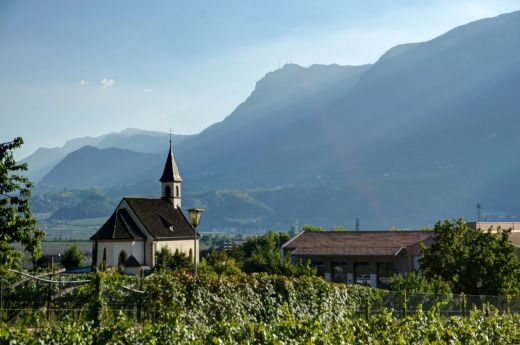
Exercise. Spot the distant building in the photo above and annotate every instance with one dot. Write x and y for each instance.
(514, 226)
(140, 227)
(359, 257)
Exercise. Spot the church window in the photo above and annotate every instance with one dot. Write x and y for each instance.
(167, 192)
(177, 191)
(122, 258)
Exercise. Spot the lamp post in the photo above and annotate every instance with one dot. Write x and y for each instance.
(194, 220)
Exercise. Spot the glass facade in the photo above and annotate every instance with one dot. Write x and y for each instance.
(416, 265)
(362, 273)
(320, 267)
(385, 271)
(339, 272)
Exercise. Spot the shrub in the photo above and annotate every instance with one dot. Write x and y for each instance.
(73, 258)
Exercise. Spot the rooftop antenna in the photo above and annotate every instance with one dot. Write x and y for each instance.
(478, 211)
(357, 224)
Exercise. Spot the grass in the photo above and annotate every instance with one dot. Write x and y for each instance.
(57, 247)
(80, 229)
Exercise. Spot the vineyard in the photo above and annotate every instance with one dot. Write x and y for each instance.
(109, 308)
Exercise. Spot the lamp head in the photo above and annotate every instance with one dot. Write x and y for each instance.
(195, 216)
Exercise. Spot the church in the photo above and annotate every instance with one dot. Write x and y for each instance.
(140, 227)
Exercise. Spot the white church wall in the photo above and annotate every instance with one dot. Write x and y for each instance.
(113, 249)
(183, 246)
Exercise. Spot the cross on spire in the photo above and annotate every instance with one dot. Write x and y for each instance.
(170, 136)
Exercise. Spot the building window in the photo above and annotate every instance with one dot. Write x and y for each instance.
(122, 258)
(167, 192)
(362, 273)
(416, 265)
(320, 268)
(339, 272)
(385, 272)
(177, 191)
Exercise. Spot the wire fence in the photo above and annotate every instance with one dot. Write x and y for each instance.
(445, 304)
(55, 298)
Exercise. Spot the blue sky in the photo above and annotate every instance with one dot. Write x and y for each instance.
(70, 69)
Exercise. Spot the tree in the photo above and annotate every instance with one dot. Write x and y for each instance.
(416, 282)
(220, 263)
(73, 258)
(339, 228)
(165, 260)
(471, 260)
(310, 227)
(260, 253)
(17, 225)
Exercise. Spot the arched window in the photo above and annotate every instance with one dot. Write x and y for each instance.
(122, 258)
(177, 191)
(167, 192)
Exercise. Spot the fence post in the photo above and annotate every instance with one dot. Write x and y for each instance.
(49, 291)
(463, 303)
(49, 299)
(140, 298)
(59, 298)
(367, 308)
(405, 306)
(1, 298)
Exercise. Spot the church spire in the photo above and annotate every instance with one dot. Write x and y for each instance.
(170, 172)
(171, 179)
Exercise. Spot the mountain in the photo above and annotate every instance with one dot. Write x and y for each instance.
(425, 133)
(276, 91)
(43, 160)
(242, 151)
(93, 167)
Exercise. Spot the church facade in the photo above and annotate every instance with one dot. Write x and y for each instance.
(140, 227)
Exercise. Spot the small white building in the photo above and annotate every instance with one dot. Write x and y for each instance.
(140, 227)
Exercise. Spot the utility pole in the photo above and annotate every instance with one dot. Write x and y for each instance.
(478, 211)
(357, 224)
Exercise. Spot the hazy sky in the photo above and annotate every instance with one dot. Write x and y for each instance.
(71, 69)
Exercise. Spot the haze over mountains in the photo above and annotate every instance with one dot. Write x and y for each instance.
(425, 133)
(43, 160)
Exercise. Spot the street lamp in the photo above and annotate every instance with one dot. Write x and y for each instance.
(194, 220)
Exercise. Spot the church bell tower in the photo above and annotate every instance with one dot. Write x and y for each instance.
(171, 180)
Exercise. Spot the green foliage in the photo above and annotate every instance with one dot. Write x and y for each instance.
(472, 261)
(219, 263)
(168, 261)
(73, 258)
(310, 227)
(259, 309)
(17, 226)
(261, 253)
(416, 282)
(97, 304)
(303, 268)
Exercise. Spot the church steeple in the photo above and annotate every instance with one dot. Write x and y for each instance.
(171, 180)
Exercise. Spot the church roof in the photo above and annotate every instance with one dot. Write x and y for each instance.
(119, 226)
(160, 218)
(170, 172)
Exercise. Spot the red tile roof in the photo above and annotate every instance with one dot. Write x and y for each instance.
(354, 243)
